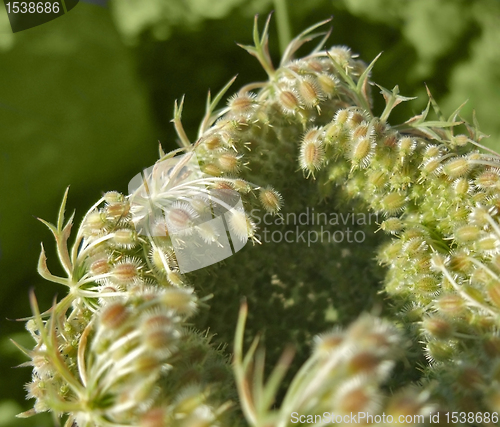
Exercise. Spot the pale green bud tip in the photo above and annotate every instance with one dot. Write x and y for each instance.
(456, 168)
(182, 300)
(125, 238)
(467, 233)
(393, 203)
(452, 305)
(112, 197)
(392, 225)
(328, 84)
(460, 140)
(361, 151)
(406, 145)
(175, 278)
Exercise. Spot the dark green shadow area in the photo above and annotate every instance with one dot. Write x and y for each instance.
(70, 4)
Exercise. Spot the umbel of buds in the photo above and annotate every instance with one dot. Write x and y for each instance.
(120, 350)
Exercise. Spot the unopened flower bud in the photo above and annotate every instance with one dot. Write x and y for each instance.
(270, 199)
(99, 266)
(467, 233)
(118, 210)
(242, 186)
(378, 178)
(439, 350)
(125, 238)
(328, 84)
(228, 162)
(488, 179)
(175, 278)
(392, 225)
(312, 155)
(430, 165)
(494, 294)
(179, 217)
(461, 262)
(452, 305)
(364, 362)
(213, 142)
(114, 315)
(393, 203)
(242, 103)
(361, 151)
(240, 224)
(161, 339)
(342, 116)
(342, 55)
(309, 92)
(456, 168)
(437, 327)
(360, 131)
(94, 223)
(112, 197)
(356, 118)
(289, 102)
(460, 140)
(146, 363)
(461, 187)
(126, 272)
(406, 146)
(327, 343)
(211, 169)
(182, 300)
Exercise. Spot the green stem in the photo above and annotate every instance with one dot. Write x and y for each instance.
(283, 23)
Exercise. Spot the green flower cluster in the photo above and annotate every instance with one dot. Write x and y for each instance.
(120, 349)
(119, 342)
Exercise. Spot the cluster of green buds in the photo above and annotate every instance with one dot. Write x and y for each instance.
(118, 350)
(439, 195)
(340, 382)
(105, 352)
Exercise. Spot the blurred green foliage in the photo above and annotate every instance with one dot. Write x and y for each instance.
(85, 98)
